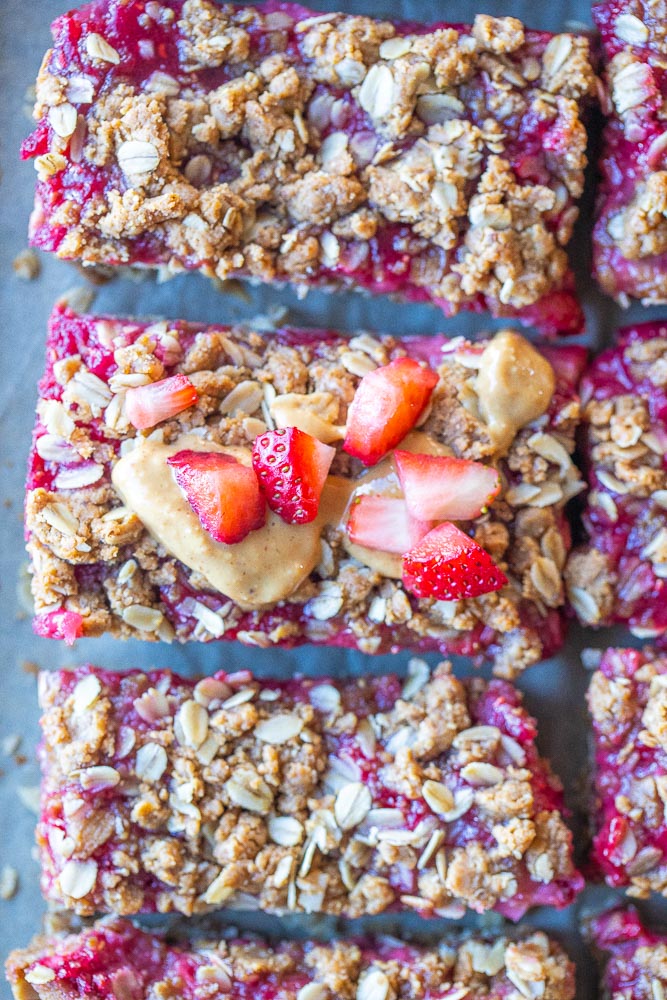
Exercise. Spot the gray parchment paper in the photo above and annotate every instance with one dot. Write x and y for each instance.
(554, 690)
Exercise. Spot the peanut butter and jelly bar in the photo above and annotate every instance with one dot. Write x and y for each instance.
(620, 574)
(633, 958)
(439, 163)
(309, 795)
(628, 703)
(114, 958)
(205, 483)
(630, 243)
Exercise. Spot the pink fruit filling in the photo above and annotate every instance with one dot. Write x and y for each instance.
(626, 698)
(395, 248)
(114, 957)
(77, 445)
(622, 565)
(630, 259)
(632, 956)
(393, 827)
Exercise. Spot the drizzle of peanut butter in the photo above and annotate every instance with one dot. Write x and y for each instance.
(266, 567)
(271, 563)
(514, 385)
(382, 479)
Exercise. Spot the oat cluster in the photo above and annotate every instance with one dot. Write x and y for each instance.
(351, 139)
(308, 796)
(471, 967)
(626, 450)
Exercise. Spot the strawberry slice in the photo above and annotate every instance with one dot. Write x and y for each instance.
(440, 488)
(148, 405)
(384, 523)
(448, 565)
(386, 406)
(224, 494)
(292, 467)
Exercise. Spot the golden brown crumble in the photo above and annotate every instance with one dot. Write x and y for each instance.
(243, 795)
(255, 176)
(529, 965)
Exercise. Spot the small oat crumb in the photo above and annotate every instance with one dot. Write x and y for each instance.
(79, 298)
(27, 265)
(29, 796)
(9, 882)
(10, 744)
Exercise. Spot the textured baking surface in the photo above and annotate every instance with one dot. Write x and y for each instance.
(555, 691)
(114, 954)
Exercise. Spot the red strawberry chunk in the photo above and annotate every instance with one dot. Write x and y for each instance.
(292, 467)
(59, 624)
(387, 404)
(148, 405)
(384, 523)
(440, 488)
(448, 565)
(223, 493)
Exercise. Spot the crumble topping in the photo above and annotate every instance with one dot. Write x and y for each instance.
(531, 965)
(628, 702)
(92, 556)
(632, 228)
(633, 958)
(163, 794)
(628, 488)
(263, 171)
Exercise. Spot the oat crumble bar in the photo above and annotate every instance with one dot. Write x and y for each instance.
(620, 574)
(630, 236)
(114, 959)
(628, 703)
(97, 569)
(438, 163)
(352, 798)
(633, 958)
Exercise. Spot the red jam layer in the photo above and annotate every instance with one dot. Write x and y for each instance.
(382, 264)
(495, 703)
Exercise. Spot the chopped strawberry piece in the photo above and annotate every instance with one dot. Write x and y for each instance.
(384, 523)
(148, 405)
(440, 488)
(292, 468)
(386, 406)
(223, 493)
(59, 624)
(448, 565)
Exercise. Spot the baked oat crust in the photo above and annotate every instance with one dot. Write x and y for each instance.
(349, 798)
(143, 965)
(620, 574)
(630, 237)
(627, 699)
(279, 145)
